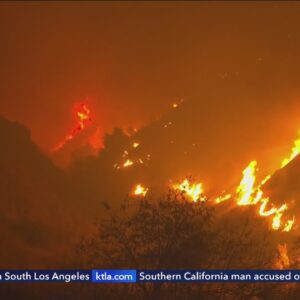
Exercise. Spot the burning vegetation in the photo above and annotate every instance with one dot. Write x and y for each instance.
(248, 192)
(82, 115)
(140, 190)
(192, 190)
(189, 227)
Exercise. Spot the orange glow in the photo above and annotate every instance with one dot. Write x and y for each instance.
(193, 190)
(83, 119)
(248, 192)
(295, 151)
(283, 261)
(140, 190)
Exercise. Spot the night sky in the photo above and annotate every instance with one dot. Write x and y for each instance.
(130, 61)
(232, 68)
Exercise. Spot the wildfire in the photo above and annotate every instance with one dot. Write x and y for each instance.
(140, 190)
(246, 188)
(248, 192)
(193, 190)
(83, 119)
(294, 153)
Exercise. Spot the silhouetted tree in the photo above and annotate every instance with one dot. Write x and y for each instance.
(175, 233)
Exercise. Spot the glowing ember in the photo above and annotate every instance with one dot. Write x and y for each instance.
(127, 163)
(168, 124)
(223, 198)
(139, 190)
(289, 225)
(294, 153)
(83, 119)
(125, 153)
(246, 187)
(135, 145)
(267, 178)
(193, 190)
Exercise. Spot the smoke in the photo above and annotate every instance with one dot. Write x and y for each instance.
(47, 208)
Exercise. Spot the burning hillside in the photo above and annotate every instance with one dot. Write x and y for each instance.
(249, 192)
(136, 161)
(82, 115)
(152, 135)
(136, 167)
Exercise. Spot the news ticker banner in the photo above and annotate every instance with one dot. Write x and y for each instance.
(142, 276)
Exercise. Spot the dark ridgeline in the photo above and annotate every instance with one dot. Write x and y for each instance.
(46, 211)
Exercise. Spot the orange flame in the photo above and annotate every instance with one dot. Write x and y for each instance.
(289, 225)
(277, 218)
(246, 188)
(294, 153)
(262, 209)
(140, 190)
(83, 116)
(277, 212)
(222, 198)
(193, 190)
